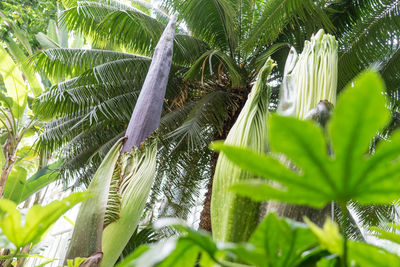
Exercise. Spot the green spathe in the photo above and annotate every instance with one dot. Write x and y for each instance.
(86, 238)
(316, 73)
(137, 170)
(233, 217)
(310, 77)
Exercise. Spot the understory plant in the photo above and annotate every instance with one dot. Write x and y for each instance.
(22, 228)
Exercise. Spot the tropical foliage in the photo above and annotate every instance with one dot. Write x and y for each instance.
(69, 84)
(318, 180)
(219, 47)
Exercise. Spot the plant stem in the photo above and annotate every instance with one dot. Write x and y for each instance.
(12, 257)
(345, 213)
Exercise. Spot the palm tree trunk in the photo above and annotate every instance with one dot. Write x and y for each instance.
(205, 217)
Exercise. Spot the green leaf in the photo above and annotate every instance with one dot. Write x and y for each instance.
(21, 59)
(358, 116)
(150, 256)
(362, 254)
(45, 41)
(4, 242)
(15, 184)
(19, 189)
(52, 32)
(75, 262)
(19, 33)
(182, 250)
(276, 242)
(37, 221)
(318, 178)
(327, 262)
(185, 254)
(14, 83)
(40, 179)
(129, 261)
(283, 241)
(358, 254)
(328, 236)
(384, 234)
(26, 152)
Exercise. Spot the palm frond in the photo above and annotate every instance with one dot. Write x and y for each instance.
(85, 151)
(129, 28)
(149, 8)
(373, 215)
(212, 63)
(259, 60)
(140, 237)
(92, 87)
(208, 114)
(92, 18)
(190, 168)
(371, 39)
(276, 14)
(112, 3)
(390, 71)
(188, 49)
(64, 62)
(213, 21)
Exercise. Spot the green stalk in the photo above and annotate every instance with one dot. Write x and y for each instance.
(9, 262)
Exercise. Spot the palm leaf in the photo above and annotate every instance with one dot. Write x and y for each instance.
(208, 113)
(213, 21)
(276, 14)
(209, 64)
(92, 87)
(127, 27)
(64, 62)
(367, 40)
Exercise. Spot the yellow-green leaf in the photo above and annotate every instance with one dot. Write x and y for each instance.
(14, 83)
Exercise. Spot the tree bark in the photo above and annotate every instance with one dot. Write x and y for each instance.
(205, 217)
